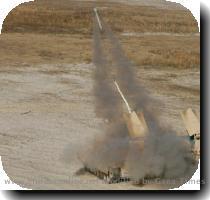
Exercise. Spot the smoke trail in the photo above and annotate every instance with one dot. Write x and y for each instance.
(132, 88)
(164, 155)
(106, 98)
(108, 149)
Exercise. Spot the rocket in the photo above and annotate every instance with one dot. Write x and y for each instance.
(136, 124)
(98, 19)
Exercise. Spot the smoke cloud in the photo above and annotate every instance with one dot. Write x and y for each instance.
(107, 106)
(165, 155)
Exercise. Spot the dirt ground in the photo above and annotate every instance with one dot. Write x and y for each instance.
(47, 101)
(44, 116)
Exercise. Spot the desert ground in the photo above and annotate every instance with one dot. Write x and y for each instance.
(47, 103)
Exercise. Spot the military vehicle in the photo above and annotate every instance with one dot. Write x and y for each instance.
(138, 129)
(192, 124)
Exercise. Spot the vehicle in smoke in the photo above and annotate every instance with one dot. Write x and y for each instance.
(138, 130)
(130, 161)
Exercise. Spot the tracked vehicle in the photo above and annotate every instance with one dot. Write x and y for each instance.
(138, 130)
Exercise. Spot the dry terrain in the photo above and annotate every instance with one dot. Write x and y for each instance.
(46, 76)
(76, 17)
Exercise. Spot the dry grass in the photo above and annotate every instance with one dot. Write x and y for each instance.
(166, 51)
(75, 17)
(49, 17)
(73, 21)
(19, 48)
(150, 19)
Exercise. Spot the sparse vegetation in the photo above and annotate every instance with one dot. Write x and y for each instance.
(38, 48)
(170, 51)
(67, 37)
(150, 19)
(45, 16)
(166, 51)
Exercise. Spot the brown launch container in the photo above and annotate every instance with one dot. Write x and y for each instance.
(136, 124)
(192, 124)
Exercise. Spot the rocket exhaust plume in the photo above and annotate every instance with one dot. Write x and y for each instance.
(107, 107)
(164, 154)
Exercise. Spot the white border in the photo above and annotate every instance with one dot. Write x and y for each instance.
(7, 5)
